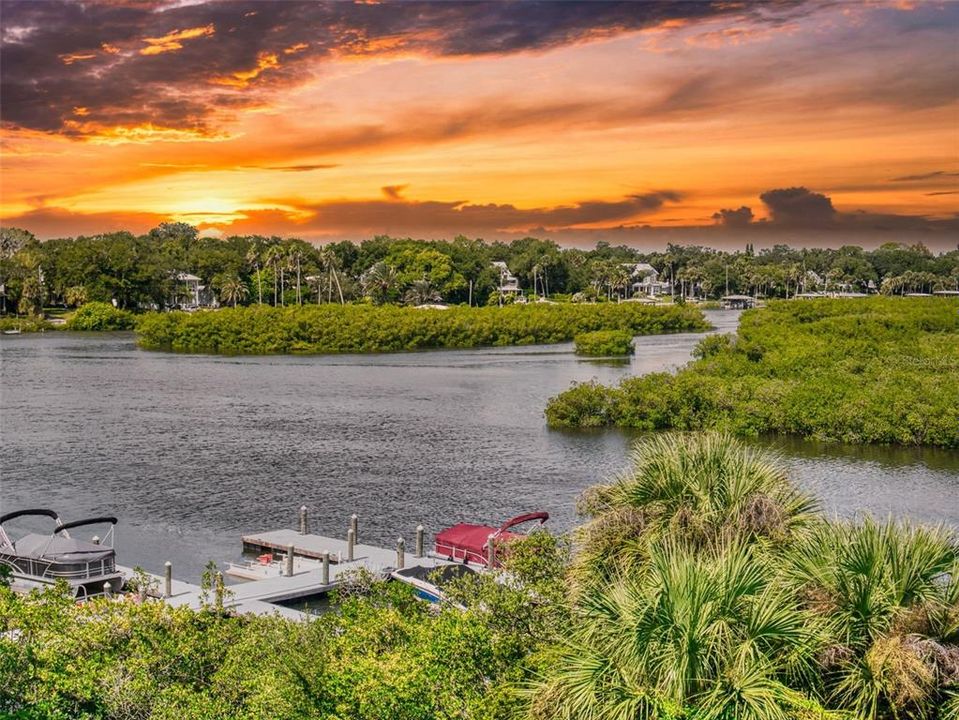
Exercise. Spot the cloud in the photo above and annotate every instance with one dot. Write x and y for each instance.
(170, 42)
(734, 218)
(934, 175)
(293, 168)
(574, 224)
(393, 191)
(799, 207)
(158, 63)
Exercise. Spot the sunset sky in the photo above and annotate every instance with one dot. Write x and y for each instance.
(800, 122)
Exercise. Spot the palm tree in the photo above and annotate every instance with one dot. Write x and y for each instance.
(331, 262)
(253, 261)
(233, 290)
(378, 282)
(274, 256)
(886, 597)
(422, 292)
(703, 488)
(713, 632)
(620, 278)
(295, 257)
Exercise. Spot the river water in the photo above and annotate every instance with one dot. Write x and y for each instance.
(191, 451)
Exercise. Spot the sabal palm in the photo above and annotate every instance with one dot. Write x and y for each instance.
(233, 290)
(294, 260)
(886, 597)
(253, 261)
(713, 630)
(422, 292)
(331, 263)
(697, 488)
(379, 281)
(274, 256)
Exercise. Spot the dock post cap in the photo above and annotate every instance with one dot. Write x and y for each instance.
(302, 508)
(95, 539)
(168, 564)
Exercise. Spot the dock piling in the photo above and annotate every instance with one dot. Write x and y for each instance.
(326, 567)
(419, 541)
(107, 589)
(490, 551)
(289, 560)
(350, 542)
(304, 521)
(168, 579)
(354, 526)
(400, 553)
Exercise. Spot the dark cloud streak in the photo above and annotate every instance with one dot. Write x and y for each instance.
(121, 86)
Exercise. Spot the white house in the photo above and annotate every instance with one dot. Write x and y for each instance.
(189, 294)
(646, 280)
(508, 283)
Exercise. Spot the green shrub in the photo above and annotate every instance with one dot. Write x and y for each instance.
(604, 343)
(100, 316)
(365, 328)
(877, 370)
(26, 324)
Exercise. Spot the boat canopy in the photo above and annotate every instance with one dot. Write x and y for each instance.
(91, 521)
(61, 549)
(35, 511)
(470, 542)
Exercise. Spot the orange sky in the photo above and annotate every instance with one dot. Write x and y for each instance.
(577, 122)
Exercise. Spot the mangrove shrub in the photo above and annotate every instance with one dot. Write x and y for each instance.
(876, 370)
(363, 328)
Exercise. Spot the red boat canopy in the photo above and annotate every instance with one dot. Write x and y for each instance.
(469, 543)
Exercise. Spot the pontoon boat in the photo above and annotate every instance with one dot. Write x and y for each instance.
(40, 560)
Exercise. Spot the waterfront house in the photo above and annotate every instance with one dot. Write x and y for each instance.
(508, 283)
(646, 280)
(190, 294)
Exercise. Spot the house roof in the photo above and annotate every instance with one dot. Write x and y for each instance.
(641, 268)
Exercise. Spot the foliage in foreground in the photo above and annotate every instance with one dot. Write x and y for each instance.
(883, 370)
(704, 586)
(332, 329)
(604, 343)
(707, 588)
(380, 653)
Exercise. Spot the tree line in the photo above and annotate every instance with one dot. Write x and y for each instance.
(142, 271)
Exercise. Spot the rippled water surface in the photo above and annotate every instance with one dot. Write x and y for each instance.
(192, 451)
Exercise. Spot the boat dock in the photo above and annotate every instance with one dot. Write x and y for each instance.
(292, 565)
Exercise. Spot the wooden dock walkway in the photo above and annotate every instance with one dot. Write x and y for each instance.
(258, 596)
(185, 593)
